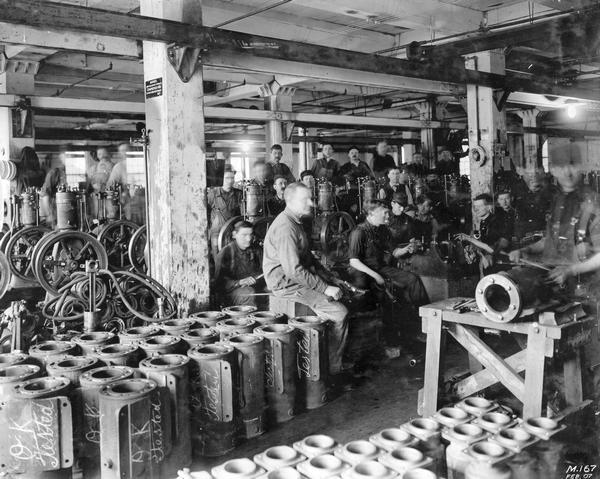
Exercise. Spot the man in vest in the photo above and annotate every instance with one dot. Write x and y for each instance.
(276, 167)
(224, 203)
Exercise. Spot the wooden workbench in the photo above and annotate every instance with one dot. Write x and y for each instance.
(542, 341)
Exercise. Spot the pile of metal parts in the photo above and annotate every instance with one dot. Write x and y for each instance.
(475, 439)
(141, 402)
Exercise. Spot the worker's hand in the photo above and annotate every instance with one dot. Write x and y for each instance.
(333, 292)
(514, 256)
(249, 281)
(486, 261)
(379, 279)
(398, 252)
(560, 274)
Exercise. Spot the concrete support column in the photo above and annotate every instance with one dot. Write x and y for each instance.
(428, 146)
(178, 225)
(279, 98)
(487, 124)
(531, 141)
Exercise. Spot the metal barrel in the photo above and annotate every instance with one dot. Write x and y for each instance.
(250, 350)
(71, 367)
(36, 426)
(66, 210)
(281, 351)
(209, 318)
(88, 342)
(200, 336)
(118, 354)
(239, 311)
(12, 359)
(264, 318)
(137, 334)
(10, 375)
(112, 204)
(49, 350)
(215, 399)
(326, 197)
(170, 372)
(369, 191)
(29, 209)
(229, 327)
(134, 429)
(176, 327)
(163, 344)
(91, 382)
(312, 361)
(254, 200)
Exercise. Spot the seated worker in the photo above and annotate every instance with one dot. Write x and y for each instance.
(426, 227)
(292, 272)
(401, 225)
(355, 168)
(397, 182)
(369, 255)
(238, 268)
(490, 238)
(326, 167)
(223, 203)
(308, 179)
(506, 212)
(276, 168)
(276, 202)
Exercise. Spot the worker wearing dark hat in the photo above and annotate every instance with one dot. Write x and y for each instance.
(276, 202)
(355, 168)
(401, 225)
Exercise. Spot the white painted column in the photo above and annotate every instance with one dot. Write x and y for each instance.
(530, 140)
(487, 124)
(428, 147)
(178, 225)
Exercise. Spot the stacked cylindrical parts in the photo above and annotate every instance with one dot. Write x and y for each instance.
(137, 334)
(170, 372)
(161, 344)
(10, 375)
(176, 327)
(281, 351)
(88, 342)
(250, 350)
(48, 350)
(118, 354)
(200, 337)
(215, 399)
(233, 326)
(313, 360)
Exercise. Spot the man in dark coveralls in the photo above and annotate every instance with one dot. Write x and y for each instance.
(292, 272)
(223, 203)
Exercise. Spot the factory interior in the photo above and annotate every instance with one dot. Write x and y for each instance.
(300, 239)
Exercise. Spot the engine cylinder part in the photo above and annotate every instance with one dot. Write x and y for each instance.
(393, 438)
(200, 336)
(230, 327)
(209, 318)
(524, 466)
(487, 452)
(326, 197)
(369, 469)
(71, 367)
(254, 200)
(237, 469)
(278, 457)
(281, 350)
(461, 437)
(118, 354)
(239, 311)
(137, 334)
(369, 191)
(134, 429)
(215, 399)
(404, 459)
(67, 217)
(163, 344)
(88, 342)
(323, 467)
(495, 421)
(358, 451)
(316, 445)
(477, 406)
(12, 359)
(29, 209)
(264, 318)
(91, 382)
(420, 473)
(478, 470)
(176, 327)
(10, 375)
(37, 429)
(112, 204)
(551, 458)
(250, 350)
(514, 438)
(49, 350)
(452, 416)
(170, 372)
(503, 297)
(313, 360)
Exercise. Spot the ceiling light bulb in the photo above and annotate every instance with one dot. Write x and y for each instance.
(571, 111)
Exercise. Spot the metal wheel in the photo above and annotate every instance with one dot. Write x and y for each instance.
(115, 238)
(335, 235)
(4, 274)
(261, 226)
(226, 232)
(5, 239)
(19, 250)
(137, 248)
(61, 255)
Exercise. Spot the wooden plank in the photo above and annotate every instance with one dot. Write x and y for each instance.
(573, 379)
(484, 379)
(432, 365)
(534, 372)
(468, 338)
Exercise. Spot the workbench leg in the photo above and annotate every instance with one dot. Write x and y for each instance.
(573, 380)
(474, 365)
(432, 365)
(534, 372)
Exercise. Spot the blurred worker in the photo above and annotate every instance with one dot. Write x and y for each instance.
(224, 202)
(55, 177)
(397, 182)
(129, 175)
(533, 204)
(506, 212)
(276, 203)
(260, 174)
(238, 269)
(101, 170)
(355, 168)
(426, 226)
(400, 224)
(29, 171)
(382, 161)
(122, 151)
(293, 273)
(326, 167)
(276, 167)
(415, 166)
(369, 253)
